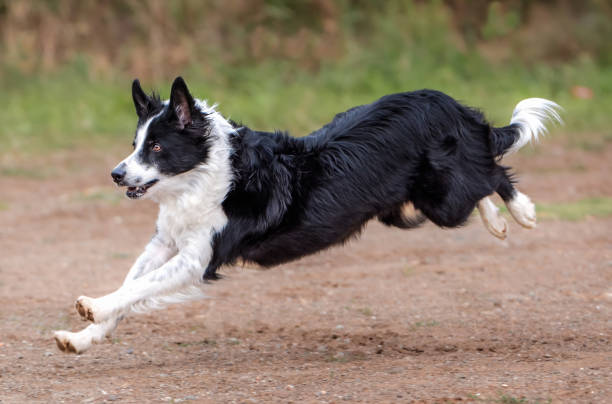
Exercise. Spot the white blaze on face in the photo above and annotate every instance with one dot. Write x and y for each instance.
(136, 171)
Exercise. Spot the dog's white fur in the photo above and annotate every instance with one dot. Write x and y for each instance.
(531, 116)
(170, 268)
(522, 210)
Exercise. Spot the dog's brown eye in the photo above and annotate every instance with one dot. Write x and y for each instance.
(156, 147)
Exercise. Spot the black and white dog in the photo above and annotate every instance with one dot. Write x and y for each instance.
(228, 193)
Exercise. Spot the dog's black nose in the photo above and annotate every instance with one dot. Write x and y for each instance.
(118, 173)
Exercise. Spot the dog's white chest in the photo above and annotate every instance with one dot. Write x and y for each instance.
(189, 226)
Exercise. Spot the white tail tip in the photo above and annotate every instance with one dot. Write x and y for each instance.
(531, 115)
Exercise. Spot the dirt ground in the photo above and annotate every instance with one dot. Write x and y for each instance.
(428, 315)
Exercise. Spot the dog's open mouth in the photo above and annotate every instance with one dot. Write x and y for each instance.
(137, 192)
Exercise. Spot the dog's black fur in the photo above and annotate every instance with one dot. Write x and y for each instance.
(295, 196)
(183, 136)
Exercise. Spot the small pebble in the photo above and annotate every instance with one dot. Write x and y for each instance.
(48, 353)
(129, 351)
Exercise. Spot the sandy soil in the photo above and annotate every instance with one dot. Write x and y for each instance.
(428, 315)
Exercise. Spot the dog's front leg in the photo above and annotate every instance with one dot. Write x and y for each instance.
(79, 342)
(156, 253)
(159, 250)
(179, 273)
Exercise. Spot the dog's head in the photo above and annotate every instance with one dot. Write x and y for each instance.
(172, 138)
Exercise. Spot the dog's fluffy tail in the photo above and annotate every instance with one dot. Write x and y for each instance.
(528, 123)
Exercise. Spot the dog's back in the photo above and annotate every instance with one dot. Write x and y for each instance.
(296, 196)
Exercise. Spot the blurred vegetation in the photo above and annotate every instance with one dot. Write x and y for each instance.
(66, 65)
(578, 210)
(592, 207)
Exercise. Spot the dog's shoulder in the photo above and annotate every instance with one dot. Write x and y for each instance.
(263, 175)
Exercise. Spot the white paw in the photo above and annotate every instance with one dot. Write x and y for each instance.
(522, 210)
(495, 224)
(72, 342)
(498, 227)
(84, 306)
(94, 310)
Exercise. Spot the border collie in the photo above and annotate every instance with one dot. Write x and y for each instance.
(227, 192)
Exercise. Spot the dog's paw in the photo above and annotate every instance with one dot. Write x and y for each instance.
(84, 306)
(63, 342)
(498, 227)
(95, 310)
(522, 210)
(493, 221)
(71, 342)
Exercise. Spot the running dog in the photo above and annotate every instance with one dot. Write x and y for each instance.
(227, 192)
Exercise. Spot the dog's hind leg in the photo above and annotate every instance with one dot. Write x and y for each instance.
(398, 217)
(491, 218)
(522, 210)
(519, 205)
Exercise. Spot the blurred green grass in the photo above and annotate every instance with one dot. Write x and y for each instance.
(406, 49)
(572, 211)
(578, 210)
(69, 108)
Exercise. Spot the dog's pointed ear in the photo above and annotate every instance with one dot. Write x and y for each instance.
(182, 104)
(142, 101)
